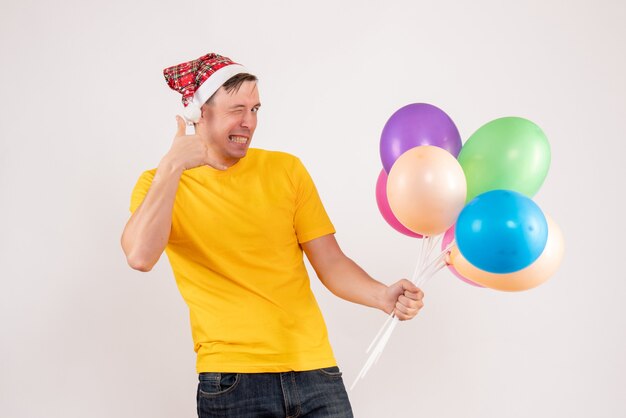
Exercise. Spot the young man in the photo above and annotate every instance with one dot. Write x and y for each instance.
(234, 222)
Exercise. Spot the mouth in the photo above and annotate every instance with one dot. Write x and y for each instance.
(236, 139)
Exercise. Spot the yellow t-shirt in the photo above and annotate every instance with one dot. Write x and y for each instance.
(234, 250)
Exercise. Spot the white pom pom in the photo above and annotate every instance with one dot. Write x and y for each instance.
(192, 113)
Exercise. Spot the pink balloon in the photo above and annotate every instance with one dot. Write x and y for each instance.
(447, 239)
(385, 210)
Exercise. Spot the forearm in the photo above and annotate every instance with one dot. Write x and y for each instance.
(147, 232)
(346, 279)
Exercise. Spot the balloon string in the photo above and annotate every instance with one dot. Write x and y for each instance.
(373, 356)
(435, 268)
(432, 243)
(420, 261)
(449, 247)
(425, 269)
(389, 318)
(422, 255)
(427, 273)
(429, 244)
(376, 353)
(382, 343)
(432, 262)
(442, 255)
(416, 272)
(445, 251)
(420, 268)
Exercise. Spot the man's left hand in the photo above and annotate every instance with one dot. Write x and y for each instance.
(405, 298)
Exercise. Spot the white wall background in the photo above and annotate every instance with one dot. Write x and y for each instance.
(85, 109)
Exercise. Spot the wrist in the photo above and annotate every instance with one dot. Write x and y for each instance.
(168, 167)
(381, 298)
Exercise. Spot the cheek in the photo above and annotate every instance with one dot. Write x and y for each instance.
(227, 126)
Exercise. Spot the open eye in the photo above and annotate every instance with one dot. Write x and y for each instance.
(255, 109)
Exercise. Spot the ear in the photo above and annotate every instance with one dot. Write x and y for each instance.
(203, 113)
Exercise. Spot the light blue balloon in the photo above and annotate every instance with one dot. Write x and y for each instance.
(501, 231)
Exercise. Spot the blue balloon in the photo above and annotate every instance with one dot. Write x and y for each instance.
(501, 231)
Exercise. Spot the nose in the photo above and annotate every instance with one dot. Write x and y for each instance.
(247, 120)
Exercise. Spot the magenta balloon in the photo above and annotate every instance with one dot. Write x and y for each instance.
(385, 209)
(447, 239)
(414, 125)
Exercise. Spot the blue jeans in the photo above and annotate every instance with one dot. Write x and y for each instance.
(314, 393)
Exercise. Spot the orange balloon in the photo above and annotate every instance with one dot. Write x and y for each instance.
(532, 276)
(426, 189)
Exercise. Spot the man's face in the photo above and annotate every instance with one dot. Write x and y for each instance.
(229, 121)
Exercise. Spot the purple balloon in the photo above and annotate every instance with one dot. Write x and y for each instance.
(414, 125)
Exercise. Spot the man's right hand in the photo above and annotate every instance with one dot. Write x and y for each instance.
(190, 151)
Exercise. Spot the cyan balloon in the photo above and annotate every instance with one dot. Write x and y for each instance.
(501, 231)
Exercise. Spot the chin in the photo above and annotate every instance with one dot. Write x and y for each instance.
(239, 154)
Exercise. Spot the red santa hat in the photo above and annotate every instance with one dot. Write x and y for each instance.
(197, 80)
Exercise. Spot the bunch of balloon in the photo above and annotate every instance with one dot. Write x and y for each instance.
(420, 191)
(502, 240)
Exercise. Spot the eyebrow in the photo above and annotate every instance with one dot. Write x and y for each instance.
(240, 106)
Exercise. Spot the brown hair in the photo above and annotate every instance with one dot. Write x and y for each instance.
(234, 83)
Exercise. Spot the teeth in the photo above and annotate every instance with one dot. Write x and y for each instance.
(238, 139)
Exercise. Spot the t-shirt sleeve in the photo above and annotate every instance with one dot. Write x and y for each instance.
(310, 220)
(141, 189)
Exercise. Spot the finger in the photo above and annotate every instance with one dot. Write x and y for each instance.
(410, 303)
(419, 295)
(181, 126)
(411, 295)
(401, 310)
(406, 317)
(406, 314)
(402, 317)
(407, 285)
